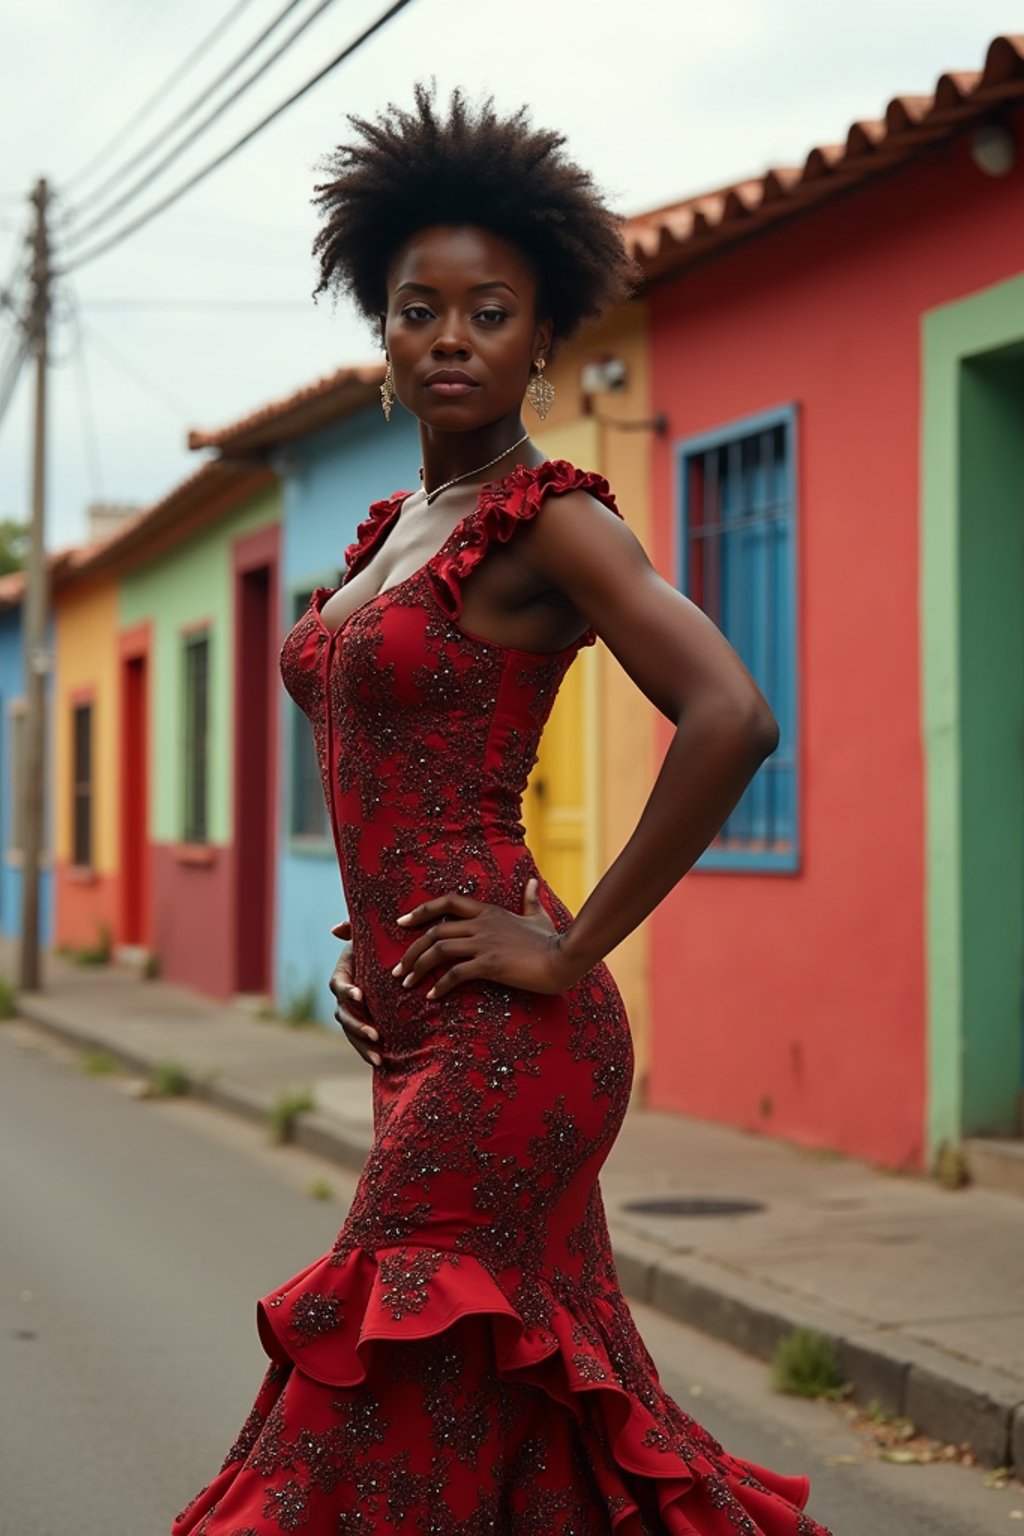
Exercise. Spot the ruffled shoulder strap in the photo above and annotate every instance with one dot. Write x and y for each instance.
(502, 506)
(379, 517)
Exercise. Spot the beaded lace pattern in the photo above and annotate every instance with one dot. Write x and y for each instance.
(462, 1361)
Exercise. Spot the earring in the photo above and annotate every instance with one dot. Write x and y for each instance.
(387, 391)
(540, 391)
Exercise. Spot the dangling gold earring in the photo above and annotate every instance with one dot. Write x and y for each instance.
(540, 391)
(387, 391)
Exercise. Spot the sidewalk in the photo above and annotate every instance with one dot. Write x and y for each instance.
(921, 1289)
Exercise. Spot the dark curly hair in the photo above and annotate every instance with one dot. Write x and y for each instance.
(412, 170)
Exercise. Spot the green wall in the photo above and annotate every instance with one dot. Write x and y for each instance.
(183, 586)
(972, 636)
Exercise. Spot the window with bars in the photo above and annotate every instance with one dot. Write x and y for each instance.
(308, 821)
(196, 737)
(739, 564)
(81, 785)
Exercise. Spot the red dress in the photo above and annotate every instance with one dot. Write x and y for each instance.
(463, 1362)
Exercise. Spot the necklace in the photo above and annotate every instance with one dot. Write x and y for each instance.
(431, 494)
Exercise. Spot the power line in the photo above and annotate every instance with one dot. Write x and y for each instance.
(85, 403)
(12, 299)
(177, 407)
(177, 305)
(11, 374)
(111, 52)
(178, 150)
(150, 102)
(179, 192)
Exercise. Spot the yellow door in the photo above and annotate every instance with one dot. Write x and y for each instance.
(560, 804)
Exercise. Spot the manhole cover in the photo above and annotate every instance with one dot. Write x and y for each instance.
(692, 1205)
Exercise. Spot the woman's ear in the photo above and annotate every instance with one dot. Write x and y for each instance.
(382, 321)
(542, 338)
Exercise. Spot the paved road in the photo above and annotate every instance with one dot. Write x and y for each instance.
(135, 1238)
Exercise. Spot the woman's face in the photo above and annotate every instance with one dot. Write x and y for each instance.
(462, 299)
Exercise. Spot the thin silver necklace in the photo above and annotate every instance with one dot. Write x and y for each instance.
(448, 483)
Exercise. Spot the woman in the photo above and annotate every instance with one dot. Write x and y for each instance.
(463, 1361)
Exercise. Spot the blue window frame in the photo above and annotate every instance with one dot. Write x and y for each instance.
(737, 559)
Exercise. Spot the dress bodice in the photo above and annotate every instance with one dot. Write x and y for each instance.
(425, 733)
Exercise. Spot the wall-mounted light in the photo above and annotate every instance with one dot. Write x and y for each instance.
(610, 375)
(993, 150)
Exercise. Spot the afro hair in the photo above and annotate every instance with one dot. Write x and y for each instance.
(412, 170)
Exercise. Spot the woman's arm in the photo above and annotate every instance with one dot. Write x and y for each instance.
(688, 670)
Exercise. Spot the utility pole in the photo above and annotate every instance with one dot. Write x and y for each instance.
(35, 610)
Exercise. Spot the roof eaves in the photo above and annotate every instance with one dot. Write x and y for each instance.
(323, 403)
(665, 240)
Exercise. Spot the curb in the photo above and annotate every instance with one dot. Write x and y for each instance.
(950, 1399)
(953, 1400)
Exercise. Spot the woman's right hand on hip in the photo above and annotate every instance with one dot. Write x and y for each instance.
(351, 1010)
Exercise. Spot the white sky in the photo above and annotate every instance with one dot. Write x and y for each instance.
(658, 98)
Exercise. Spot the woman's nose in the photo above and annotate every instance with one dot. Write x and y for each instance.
(449, 343)
(452, 335)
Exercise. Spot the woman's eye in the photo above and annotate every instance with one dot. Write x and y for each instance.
(413, 308)
(499, 312)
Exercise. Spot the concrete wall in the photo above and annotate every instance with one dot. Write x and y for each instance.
(193, 899)
(85, 670)
(796, 1003)
(12, 692)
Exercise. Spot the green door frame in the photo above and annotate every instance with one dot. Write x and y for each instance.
(972, 656)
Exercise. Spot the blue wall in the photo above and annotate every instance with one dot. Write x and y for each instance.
(329, 481)
(12, 686)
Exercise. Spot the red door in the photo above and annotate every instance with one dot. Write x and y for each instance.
(134, 782)
(255, 747)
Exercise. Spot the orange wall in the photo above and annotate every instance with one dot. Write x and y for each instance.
(795, 1003)
(85, 666)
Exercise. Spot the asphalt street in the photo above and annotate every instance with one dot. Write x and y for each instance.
(135, 1238)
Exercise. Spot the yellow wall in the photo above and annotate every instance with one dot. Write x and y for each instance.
(598, 699)
(86, 651)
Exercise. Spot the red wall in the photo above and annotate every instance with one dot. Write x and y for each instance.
(86, 902)
(809, 988)
(193, 931)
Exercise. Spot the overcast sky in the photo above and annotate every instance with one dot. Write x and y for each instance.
(658, 98)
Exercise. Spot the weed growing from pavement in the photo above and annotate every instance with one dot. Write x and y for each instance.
(320, 1189)
(950, 1169)
(8, 998)
(284, 1111)
(96, 954)
(805, 1364)
(168, 1080)
(97, 1062)
(300, 1008)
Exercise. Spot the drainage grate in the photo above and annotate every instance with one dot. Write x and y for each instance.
(692, 1205)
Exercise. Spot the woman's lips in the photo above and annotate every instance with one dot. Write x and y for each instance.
(451, 387)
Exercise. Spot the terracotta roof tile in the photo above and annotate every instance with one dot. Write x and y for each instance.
(329, 400)
(665, 240)
(216, 479)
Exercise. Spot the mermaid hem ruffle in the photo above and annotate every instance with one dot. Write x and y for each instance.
(329, 1319)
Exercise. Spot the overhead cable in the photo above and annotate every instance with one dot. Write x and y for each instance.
(197, 304)
(105, 214)
(85, 402)
(172, 197)
(11, 373)
(199, 52)
(160, 139)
